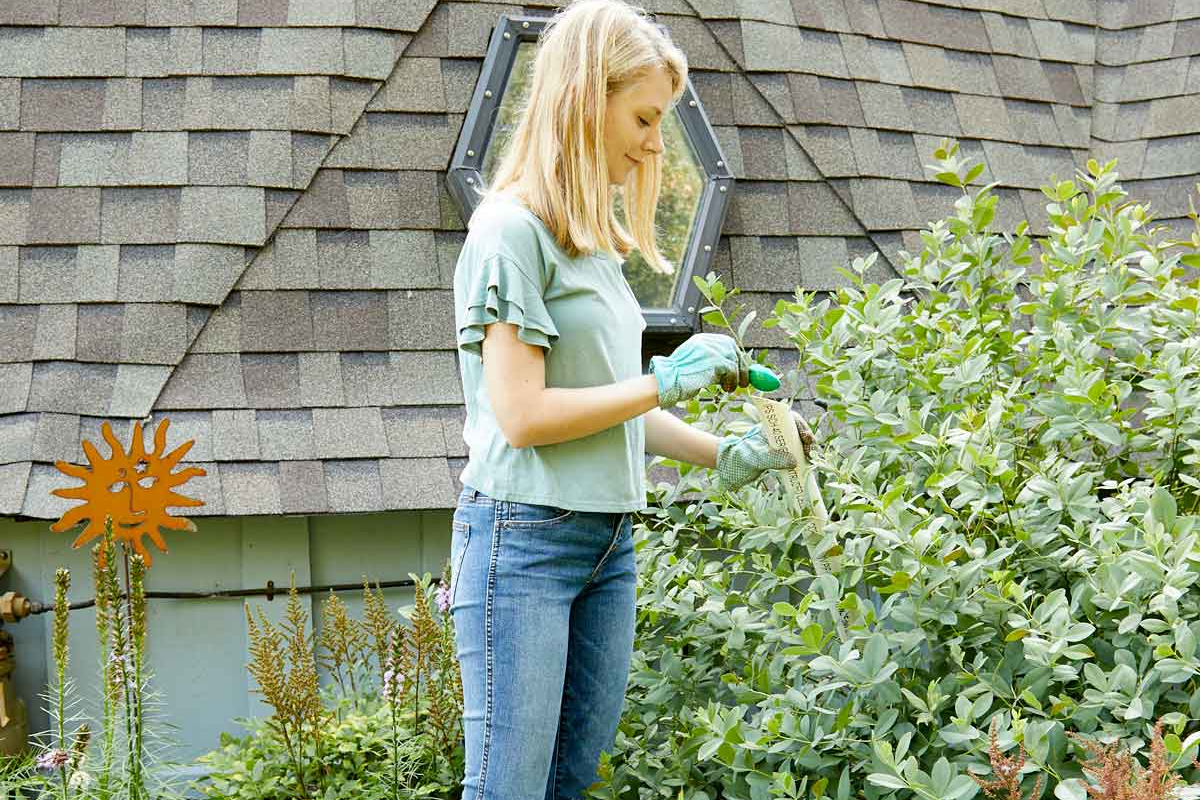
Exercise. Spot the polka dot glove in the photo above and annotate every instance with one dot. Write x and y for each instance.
(743, 459)
(702, 360)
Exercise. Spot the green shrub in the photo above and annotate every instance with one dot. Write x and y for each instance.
(1008, 459)
(356, 758)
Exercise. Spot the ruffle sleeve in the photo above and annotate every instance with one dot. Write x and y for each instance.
(498, 291)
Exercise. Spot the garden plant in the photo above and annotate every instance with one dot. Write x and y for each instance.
(1007, 455)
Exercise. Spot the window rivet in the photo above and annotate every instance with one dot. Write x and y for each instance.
(720, 163)
(692, 103)
(722, 188)
(708, 248)
(471, 181)
(470, 152)
(674, 320)
(507, 35)
(487, 93)
(691, 309)
(524, 24)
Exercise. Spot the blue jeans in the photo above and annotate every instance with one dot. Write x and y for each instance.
(544, 603)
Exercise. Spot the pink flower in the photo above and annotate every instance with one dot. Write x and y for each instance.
(391, 684)
(53, 759)
(443, 596)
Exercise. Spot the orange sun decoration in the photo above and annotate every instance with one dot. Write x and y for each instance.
(133, 488)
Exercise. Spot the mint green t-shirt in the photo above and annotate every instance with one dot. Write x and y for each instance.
(584, 314)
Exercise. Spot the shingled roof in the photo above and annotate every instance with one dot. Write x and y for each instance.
(233, 212)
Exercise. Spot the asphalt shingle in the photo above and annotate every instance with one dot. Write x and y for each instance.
(883, 203)
(194, 426)
(1010, 35)
(1033, 122)
(829, 148)
(783, 47)
(1171, 116)
(38, 501)
(250, 488)
(204, 381)
(402, 15)
(276, 321)
(9, 274)
(1179, 155)
(883, 106)
(936, 25)
(16, 437)
(177, 160)
(235, 435)
(72, 387)
(140, 215)
(413, 432)
(416, 483)
(427, 378)
(817, 210)
(775, 89)
(18, 327)
(16, 159)
(153, 333)
(55, 337)
(454, 420)
(321, 380)
(302, 487)
(765, 263)
(349, 320)
(421, 320)
(29, 12)
(64, 216)
(349, 433)
(286, 435)
(62, 104)
(368, 379)
(1021, 78)
(354, 485)
(272, 380)
(709, 46)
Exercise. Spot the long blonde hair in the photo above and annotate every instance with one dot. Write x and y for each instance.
(556, 159)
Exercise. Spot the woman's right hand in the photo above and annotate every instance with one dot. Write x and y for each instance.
(704, 359)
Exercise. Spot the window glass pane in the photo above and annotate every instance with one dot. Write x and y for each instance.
(679, 199)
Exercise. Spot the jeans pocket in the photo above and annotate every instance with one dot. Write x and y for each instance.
(532, 515)
(460, 538)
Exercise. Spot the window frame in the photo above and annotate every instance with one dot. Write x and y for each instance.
(464, 176)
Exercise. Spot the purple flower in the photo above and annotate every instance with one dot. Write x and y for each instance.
(443, 596)
(391, 684)
(53, 759)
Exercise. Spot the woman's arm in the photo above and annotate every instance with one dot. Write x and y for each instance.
(531, 414)
(667, 435)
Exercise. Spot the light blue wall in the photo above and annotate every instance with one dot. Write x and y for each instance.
(198, 648)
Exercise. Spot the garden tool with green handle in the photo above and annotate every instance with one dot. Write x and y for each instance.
(701, 361)
(705, 359)
(743, 459)
(708, 358)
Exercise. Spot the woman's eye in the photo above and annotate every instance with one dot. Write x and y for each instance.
(643, 122)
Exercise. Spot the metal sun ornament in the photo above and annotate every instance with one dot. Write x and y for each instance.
(134, 488)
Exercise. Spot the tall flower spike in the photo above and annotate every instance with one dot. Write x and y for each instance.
(62, 585)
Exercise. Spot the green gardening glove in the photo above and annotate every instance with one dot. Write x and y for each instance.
(702, 360)
(742, 459)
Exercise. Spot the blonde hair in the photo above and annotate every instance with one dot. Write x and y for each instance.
(556, 159)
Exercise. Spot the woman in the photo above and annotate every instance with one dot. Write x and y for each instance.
(559, 416)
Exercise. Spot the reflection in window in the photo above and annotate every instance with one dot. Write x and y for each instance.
(679, 199)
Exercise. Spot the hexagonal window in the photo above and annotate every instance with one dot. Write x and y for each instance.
(696, 185)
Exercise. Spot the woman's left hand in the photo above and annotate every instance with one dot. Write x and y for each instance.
(743, 459)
